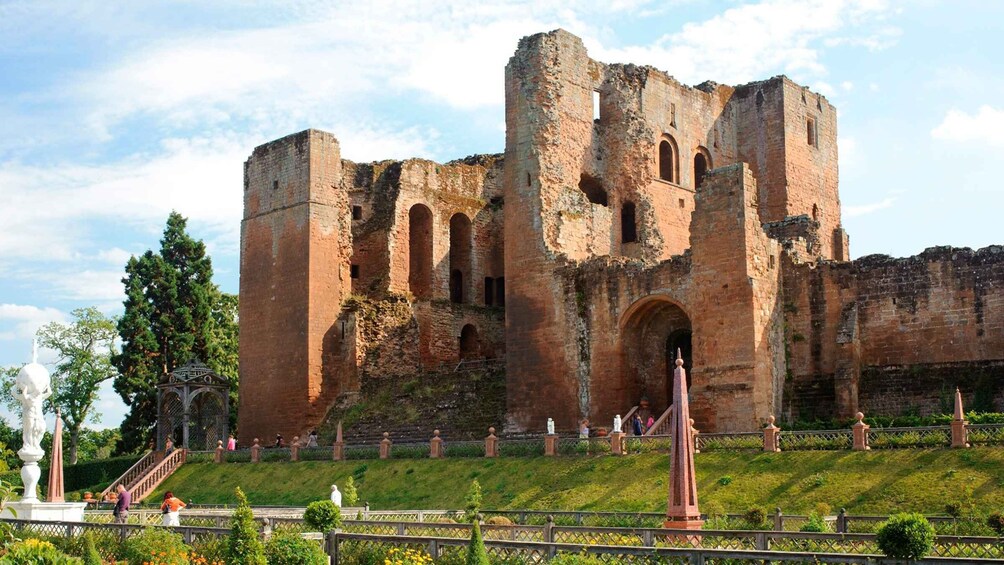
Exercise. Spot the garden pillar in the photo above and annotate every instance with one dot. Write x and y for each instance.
(219, 451)
(550, 445)
(338, 449)
(385, 444)
(294, 449)
(436, 445)
(960, 434)
(255, 452)
(861, 434)
(491, 444)
(617, 443)
(771, 437)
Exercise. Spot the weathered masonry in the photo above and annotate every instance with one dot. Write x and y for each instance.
(630, 216)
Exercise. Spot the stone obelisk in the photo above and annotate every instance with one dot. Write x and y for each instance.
(682, 511)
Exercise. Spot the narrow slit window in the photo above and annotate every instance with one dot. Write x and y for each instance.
(596, 105)
(500, 291)
(811, 133)
(489, 291)
(629, 228)
(354, 271)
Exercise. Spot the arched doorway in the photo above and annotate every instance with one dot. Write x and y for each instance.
(652, 329)
(460, 257)
(702, 164)
(420, 251)
(677, 342)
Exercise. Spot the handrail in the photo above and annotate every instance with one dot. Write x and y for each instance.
(169, 464)
(133, 473)
(656, 429)
(626, 421)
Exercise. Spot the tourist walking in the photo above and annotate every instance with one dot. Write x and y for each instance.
(584, 429)
(279, 441)
(169, 447)
(636, 425)
(170, 508)
(231, 443)
(121, 510)
(312, 439)
(649, 423)
(336, 496)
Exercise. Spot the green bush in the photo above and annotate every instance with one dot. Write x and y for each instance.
(476, 552)
(36, 552)
(213, 549)
(576, 559)
(756, 518)
(815, 524)
(472, 502)
(906, 536)
(292, 549)
(91, 555)
(243, 544)
(996, 523)
(155, 545)
(97, 472)
(725, 481)
(350, 496)
(322, 516)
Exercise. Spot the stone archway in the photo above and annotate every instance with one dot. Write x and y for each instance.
(652, 329)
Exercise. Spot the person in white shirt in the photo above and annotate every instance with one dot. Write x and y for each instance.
(336, 496)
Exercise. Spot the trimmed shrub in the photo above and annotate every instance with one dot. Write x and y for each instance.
(292, 549)
(906, 536)
(97, 472)
(322, 516)
(476, 552)
(755, 517)
(36, 552)
(472, 502)
(350, 496)
(243, 544)
(815, 524)
(498, 521)
(155, 545)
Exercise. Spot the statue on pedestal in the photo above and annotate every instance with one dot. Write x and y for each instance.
(550, 427)
(617, 424)
(31, 388)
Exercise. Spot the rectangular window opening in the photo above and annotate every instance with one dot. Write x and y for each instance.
(810, 131)
(500, 291)
(357, 212)
(354, 271)
(682, 203)
(596, 105)
(489, 291)
(275, 185)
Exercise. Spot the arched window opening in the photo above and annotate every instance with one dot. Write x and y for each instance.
(701, 166)
(470, 343)
(593, 190)
(629, 228)
(420, 251)
(667, 161)
(815, 213)
(460, 256)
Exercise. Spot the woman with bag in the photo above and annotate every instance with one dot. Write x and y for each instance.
(170, 508)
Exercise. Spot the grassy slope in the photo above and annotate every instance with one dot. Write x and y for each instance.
(872, 482)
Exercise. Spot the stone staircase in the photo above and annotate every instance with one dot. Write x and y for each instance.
(146, 474)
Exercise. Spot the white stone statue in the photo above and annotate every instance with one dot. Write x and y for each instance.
(31, 388)
(617, 424)
(336, 496)
(550, 427)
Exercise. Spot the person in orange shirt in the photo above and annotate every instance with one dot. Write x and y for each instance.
(170, 508)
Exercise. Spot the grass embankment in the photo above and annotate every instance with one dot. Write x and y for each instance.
(876, 482)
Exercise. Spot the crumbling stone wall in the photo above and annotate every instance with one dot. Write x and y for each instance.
(891, 336)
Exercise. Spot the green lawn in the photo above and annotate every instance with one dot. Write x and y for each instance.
(876, 482)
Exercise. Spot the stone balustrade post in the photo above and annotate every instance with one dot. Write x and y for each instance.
(385, 444)
(435, 445)
(491, 444)
(778, 520)
(550, 445)
(960, 433)
(842, 521)
(294, 449)
(771, 436)
(255, 452)
(218, 458)
(338, 449)
(617, 443)
(861, 434)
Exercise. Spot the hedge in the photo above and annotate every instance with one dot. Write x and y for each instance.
(95, 473)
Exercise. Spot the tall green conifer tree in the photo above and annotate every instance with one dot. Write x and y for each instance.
(173, 313)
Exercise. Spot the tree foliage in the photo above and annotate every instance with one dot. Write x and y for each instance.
(173, 313)
(243, 544)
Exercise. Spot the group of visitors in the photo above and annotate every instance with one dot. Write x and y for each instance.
(170, 508)
(638, 427)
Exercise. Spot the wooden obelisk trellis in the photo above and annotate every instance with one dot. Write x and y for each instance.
(682, 511)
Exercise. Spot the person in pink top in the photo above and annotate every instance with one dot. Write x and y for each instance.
(231, 443)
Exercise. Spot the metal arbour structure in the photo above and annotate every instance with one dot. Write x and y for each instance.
(193, 407)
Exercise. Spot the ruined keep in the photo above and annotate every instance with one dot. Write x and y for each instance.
(630, 216)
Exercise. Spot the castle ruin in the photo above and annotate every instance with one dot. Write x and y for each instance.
(630, 216)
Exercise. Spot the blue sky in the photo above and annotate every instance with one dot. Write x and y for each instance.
(114, 113)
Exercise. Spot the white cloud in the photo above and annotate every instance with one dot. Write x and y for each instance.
(864, 209)
(985, 126)
(754, 40)
(21, 321)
